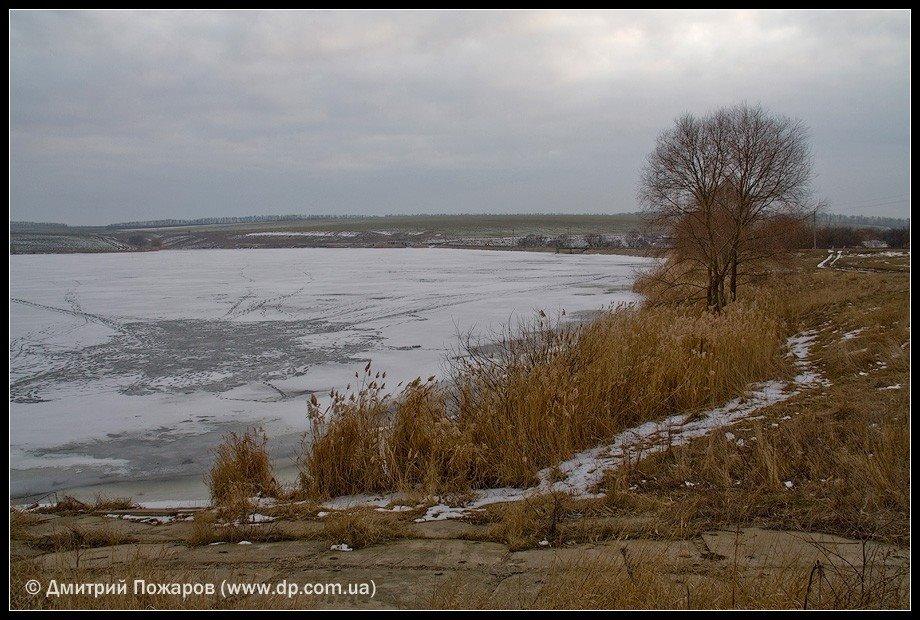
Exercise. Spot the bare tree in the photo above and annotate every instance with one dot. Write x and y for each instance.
(769, 175)
(722, 185)
(680, 186)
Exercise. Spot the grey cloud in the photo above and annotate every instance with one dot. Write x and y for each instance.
(118, 115)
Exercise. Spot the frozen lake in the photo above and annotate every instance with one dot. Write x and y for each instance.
(128, 367)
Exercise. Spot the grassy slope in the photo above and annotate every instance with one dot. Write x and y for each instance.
(834, 459)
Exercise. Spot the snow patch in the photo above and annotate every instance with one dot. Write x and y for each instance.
(852, 334)
(583, 472)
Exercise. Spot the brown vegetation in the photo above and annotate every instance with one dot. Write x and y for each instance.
(211, 527)
(242, 469)
(726, 187)
(362, 527)
(533, 399)
(648, 580)
(832, 460)
(79, 538)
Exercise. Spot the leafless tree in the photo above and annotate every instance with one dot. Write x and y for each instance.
(680, 186)
(769, 175)
(723, 186)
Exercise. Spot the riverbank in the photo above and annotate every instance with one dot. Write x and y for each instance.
(738, 515)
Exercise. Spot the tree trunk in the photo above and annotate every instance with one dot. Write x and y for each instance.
(715, 293)
(710, 288)
(733, 284)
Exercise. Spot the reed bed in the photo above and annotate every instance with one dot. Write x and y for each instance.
(542, 392)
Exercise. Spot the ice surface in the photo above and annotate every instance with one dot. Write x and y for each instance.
(129, 366)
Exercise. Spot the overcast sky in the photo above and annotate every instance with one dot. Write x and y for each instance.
(121, 116)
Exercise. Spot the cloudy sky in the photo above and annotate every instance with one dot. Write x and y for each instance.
(121, 116)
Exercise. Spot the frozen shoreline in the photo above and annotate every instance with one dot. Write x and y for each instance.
(581, 473)
(125, 368)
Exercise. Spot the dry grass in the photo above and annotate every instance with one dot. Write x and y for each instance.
(814, 472)
(79, 538)
(835, 459)
(293, 510)
(651, 581)
(540, 394)
(885, 260)
(558, 519)
(530, 523)
(211, 527)
(242, 469)
(551, 520)
(551, 392)
(66, 505)
(362, 527)
(69, 505)
(61, 539)
(20, 521)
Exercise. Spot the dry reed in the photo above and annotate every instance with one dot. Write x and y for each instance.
(542, 392)
(242, 469)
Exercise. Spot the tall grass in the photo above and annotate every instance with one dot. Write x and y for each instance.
(543, 392)
(241, 469)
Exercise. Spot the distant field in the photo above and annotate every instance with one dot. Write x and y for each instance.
(621, 232)
(616, 230)
(473, 225)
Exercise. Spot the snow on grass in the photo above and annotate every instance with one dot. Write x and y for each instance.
(259, 518)
(583, 472)
(398, 508)
(852, 334)
(888, 254)
(832, 257)
(152, 519)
